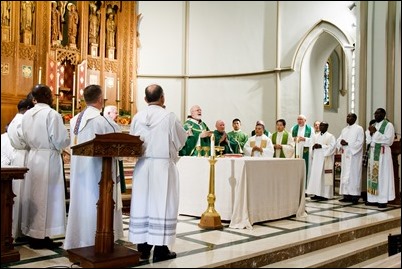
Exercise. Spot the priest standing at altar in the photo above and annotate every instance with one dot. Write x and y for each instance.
(198, 133)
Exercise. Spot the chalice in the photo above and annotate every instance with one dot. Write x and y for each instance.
(220, 149)
(206, 151)
(198, 148)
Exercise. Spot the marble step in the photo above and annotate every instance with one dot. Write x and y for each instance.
(341, 255)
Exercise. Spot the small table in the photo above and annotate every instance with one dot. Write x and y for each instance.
(8, 173)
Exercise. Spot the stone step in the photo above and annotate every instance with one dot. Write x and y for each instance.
(343, 254)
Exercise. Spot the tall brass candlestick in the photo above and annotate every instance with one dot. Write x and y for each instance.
(57, 101)
(118, 106)
(73, 106)
(73, 99)
(211, 219)
(131, 108)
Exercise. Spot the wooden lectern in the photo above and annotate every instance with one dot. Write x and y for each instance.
(8, 253)
(106, 253)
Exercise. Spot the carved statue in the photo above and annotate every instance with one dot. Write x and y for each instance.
(62, 8)
(73, 19)
(94, 18)
(139, 18)
(56, 23)
(110, 31)
(27, 14)
(5, 13)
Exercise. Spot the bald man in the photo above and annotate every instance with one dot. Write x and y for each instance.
(222, 139)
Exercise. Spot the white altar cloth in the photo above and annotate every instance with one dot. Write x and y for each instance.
(247, 189)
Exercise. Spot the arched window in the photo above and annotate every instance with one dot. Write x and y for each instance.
(332, 82)
(327, 83)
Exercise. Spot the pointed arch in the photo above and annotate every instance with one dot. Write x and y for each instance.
(308, 62)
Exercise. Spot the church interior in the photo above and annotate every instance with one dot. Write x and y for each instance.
(258, 60)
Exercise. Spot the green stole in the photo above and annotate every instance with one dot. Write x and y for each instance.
(372, 179)
(283, 142)
(307, 133)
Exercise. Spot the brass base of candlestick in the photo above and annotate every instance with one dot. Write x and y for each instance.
(211, 219)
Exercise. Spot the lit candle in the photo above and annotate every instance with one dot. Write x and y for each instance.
(74, 84)
(212, 145)
(118, 90)
(132, 92)
(40, 75)
(73, 101)
(105, 89)
(57, 83)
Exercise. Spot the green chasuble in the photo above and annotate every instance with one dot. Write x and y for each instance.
(230, 147)
(241, 138)
(196, 127)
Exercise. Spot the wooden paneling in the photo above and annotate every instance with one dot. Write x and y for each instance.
(16, 82)
(8, 112)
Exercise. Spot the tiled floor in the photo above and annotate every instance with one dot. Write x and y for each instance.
(196, 247)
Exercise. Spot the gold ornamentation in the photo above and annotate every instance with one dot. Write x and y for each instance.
(71, 54)
(7, 49)
(27, 52)
(94, 64)
(111, 66)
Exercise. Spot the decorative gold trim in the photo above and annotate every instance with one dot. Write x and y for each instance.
(111, 66)
(7, 49)
(73, 55)
(27, 52)
(94, 63)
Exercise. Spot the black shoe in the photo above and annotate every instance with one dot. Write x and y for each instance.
(371, 204)
(315, 197)
(22, 239)
(344, 200)
(50, 244)
(54, 245)
(162, 253)
(382, 205)
(35, 243)
(145, 250)
(168, 256)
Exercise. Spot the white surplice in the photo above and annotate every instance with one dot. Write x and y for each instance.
(320, 182)
(351, 163)
(386, 184)
(155, 196)
(85, 174)
(20, 159)
(7, 151)
(267, 151)
(44, 204)
(288, 148)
